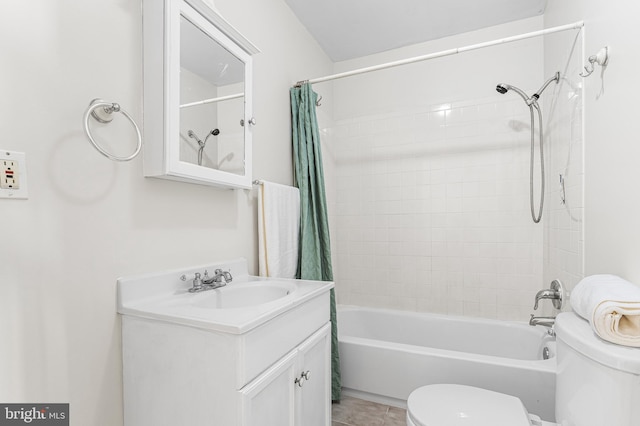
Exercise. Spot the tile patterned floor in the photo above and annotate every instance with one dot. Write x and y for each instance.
(357, 412)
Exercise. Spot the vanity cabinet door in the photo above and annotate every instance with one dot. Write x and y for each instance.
(314, 394)
(295, 391)
(269, 400)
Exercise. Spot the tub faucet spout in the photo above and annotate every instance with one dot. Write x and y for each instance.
(545, 322)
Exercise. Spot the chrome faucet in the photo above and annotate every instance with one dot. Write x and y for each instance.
(220, 277)
(204, 283)
(545, 322)
(554, 293)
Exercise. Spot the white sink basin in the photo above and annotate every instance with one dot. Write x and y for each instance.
(242, 295)
(243, 304)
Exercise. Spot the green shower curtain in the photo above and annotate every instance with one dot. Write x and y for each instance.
(314, 260)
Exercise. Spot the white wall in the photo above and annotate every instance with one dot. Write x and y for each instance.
(89, 220)
(612, 199)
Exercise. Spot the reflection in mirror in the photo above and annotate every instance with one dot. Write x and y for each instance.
(211, 102)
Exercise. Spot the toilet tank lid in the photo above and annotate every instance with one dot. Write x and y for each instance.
(577, 333)
(459, 405)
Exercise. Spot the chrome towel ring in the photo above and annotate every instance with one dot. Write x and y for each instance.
(102, 111)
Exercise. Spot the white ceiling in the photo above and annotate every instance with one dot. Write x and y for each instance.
(348, 29)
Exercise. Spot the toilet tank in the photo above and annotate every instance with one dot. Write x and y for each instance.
(597, 382)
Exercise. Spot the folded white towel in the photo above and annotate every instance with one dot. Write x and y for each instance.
(612, 306)
(278, 230)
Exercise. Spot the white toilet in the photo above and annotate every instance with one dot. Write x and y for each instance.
(597, 384)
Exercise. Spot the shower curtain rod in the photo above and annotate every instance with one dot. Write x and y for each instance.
(575, 25)
(212, 100)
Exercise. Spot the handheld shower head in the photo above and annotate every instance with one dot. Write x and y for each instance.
(504, 88)
(213, 132)
(532, 102)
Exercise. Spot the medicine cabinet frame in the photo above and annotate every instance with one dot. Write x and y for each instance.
(161, 40)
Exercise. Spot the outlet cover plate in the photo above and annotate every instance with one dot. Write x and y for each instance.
(19, 158)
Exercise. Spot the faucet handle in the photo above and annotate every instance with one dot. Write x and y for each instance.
(196, 278)
(554, 292)
(544, 294)
(197, 281)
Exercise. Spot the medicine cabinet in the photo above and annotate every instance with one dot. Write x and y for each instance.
(197, 95)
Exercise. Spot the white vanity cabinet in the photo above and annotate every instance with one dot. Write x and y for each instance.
(296, 391)
(189, 362)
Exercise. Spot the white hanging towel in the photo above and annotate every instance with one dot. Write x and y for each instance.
(278, 230)
(611, 305)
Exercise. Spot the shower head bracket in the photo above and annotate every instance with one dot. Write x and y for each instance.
(601, 58)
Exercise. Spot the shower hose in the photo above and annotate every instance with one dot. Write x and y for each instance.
(536, 218)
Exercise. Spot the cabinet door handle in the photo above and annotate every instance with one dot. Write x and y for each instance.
(304, 376)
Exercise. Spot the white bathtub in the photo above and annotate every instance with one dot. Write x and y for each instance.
(386, 354)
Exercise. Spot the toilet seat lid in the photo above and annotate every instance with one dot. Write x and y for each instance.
(459, 405)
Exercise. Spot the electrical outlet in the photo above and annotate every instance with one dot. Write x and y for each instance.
(9, 177)
(13, 175)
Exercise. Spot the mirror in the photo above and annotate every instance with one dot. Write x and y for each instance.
(211, 102)
(196, 109)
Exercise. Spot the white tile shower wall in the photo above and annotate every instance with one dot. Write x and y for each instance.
(430, 194)
(430, 200)
(325, 124)
(432, 210)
